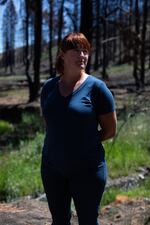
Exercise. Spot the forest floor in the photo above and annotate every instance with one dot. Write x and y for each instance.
(123, 211)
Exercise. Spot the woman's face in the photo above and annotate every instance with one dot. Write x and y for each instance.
(75, 58)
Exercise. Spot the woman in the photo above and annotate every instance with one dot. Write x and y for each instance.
(74, 105)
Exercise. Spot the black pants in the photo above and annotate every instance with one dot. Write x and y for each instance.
(86, 187)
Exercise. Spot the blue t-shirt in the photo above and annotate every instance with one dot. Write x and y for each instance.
(72, 139)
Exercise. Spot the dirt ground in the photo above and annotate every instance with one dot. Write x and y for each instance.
(34, 212)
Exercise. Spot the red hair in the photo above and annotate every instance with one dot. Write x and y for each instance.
(72, 40)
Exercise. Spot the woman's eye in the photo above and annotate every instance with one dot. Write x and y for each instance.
(85, 52)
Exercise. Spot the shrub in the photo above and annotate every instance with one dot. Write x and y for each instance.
(5, 127)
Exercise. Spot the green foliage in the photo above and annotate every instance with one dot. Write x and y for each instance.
(31, 119)
(20, 171)
(28, 118)
(130, 150)
(109, 196)
(142, 190)
(5, 127)
(131, 147)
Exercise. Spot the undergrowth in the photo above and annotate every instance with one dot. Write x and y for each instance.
(20, 169)
(131, 147)
(5, 127)
(126, 153)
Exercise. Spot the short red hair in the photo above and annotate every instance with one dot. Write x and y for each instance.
(72, 40)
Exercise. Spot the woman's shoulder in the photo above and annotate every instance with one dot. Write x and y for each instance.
(48, 86)
(49, 83)
(96, 82)
(99, 86)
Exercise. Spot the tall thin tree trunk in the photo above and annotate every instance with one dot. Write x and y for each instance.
(37, 51)
(97, 50)
(27, 62)
(104, 44)
(104, 74)
(60, 25)
(51, 71)
(86, 23)
(143, 55)
(136, 46)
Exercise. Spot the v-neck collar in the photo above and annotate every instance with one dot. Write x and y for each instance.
(73, 92)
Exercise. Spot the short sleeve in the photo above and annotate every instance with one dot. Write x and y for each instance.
(44, 92)
(104, 100)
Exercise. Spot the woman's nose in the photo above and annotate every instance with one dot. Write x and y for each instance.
(81, 53)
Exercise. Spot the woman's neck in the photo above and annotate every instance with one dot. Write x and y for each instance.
(68, 84)
(72, 77)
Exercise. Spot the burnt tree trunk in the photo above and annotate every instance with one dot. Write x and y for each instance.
(86, 25)
(136, 46)
(51, 70)
(60, 22)
(35, 85)
(143, 50)
(97, 41)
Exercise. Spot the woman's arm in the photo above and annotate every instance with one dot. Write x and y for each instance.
(108, 124)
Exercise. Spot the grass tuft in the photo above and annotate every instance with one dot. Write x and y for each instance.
(130, 149)
(5, 127)
(20, 170)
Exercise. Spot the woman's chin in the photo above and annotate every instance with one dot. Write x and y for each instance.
(82, 66)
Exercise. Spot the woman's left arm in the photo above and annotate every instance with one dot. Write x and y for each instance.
(108, 123)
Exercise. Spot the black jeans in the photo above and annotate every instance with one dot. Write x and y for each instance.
(86, 187)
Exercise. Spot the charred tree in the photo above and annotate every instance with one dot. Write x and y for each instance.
(9, 26)
(86, 22)
(33, 81)
(143, 45)
(60, 22)
(136, 46)
(97, 35)
(51, 12)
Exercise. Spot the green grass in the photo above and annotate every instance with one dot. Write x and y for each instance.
(20, 169)
(110, 196)
(12, 77)
(31, 119)
(143, 190)
(124, 68)
(20, 95)
(5, 127)
(14, 133)
(131, 148)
